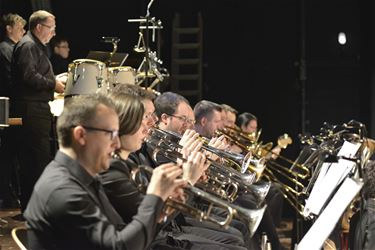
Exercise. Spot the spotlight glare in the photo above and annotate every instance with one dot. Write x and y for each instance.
(341, 38)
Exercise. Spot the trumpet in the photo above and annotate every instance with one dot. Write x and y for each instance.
(251, 217)
(223, 181)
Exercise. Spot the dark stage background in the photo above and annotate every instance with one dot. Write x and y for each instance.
(252, 53)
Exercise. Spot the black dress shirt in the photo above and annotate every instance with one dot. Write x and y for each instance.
(6, 51)
(68, 210)
(121, 190)
(59, 64)
(32, 73)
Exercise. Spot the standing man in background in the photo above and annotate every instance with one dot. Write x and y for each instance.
(60, 55)
(34, 86)
(12, 30)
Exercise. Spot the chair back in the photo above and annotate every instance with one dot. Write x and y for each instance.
(19, 235)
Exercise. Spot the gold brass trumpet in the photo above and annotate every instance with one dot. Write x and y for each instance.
(251, 217)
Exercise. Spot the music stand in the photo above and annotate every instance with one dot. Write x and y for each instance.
(116, 60)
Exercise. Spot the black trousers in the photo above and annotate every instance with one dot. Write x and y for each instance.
(33, 141)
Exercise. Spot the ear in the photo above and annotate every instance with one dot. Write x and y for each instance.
(79, 135)
(203, 121)
(9, 28)
(164, 118)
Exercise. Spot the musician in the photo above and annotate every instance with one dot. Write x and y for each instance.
(208, 118)
(247, 122)
(34, 85)
(207, 114)
(228, 115)
(60, 54)
(174, 113)
(12, 29)
(179, 234)
(68, 208)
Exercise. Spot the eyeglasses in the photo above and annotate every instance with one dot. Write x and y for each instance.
(63, 46)
(113, 133)
(184, 119)
(51, 28)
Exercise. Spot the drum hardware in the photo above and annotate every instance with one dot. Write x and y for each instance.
(150, 65)
(86, 76)
(140, 47)
(114, 41)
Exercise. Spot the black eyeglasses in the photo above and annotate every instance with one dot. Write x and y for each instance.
(113, 133)
(184, 119)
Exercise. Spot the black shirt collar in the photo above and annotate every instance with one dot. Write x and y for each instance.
(75, 168)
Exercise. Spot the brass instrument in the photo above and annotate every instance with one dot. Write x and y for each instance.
(297, 171)
(223, 181)
(251, 217)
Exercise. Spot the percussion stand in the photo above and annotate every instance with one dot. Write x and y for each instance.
(146, 23)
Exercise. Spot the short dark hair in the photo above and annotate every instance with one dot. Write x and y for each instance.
(130, 111)
(244, 119)
(135, 90)
(56, 41)
(205, 108)
(79, 110)
(228, 108)
(10, 19)
(39, 16)
(369, 179)
(167, 103)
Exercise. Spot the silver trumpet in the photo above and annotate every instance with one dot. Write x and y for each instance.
(251, 217)
(224, 181)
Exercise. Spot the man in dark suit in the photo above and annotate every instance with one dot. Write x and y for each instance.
(69, 209)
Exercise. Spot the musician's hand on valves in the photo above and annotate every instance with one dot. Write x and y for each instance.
(194, 167)
(59, 87)
(164, 181)
(189, 142)
(219, 143)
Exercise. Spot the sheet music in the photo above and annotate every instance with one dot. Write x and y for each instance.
(326, 222)
(331, 175)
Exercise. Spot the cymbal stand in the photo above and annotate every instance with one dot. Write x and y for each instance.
(148, 63)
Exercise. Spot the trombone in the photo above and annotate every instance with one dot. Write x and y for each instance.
(251, 217)
(290, 193)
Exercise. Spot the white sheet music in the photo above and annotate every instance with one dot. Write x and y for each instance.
(326, 222)
(330, 176)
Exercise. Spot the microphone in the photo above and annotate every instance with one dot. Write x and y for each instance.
(110, 39)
